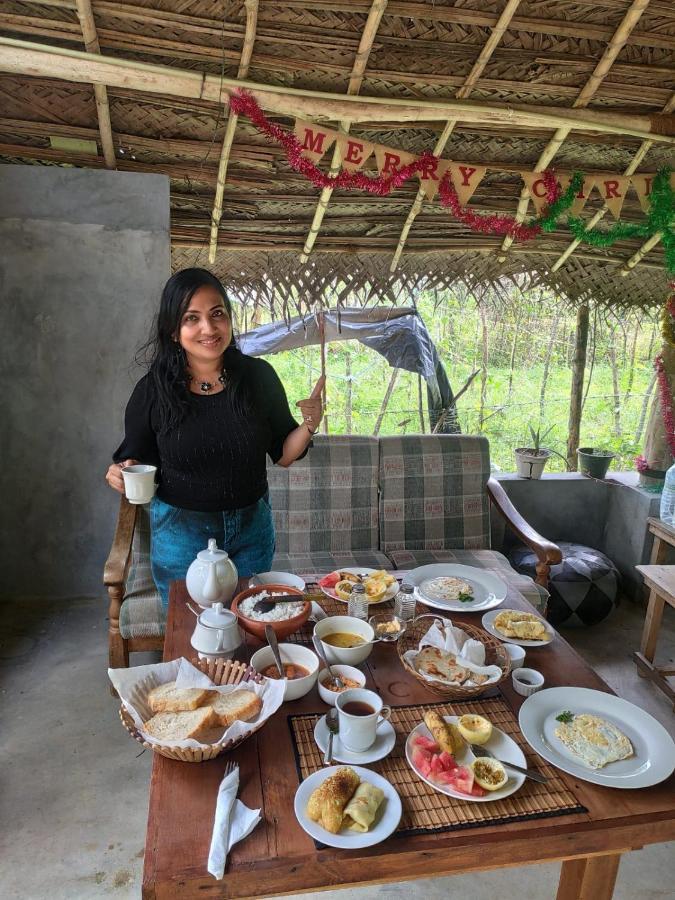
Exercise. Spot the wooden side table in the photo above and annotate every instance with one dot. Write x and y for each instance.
(661, 583)
(664, 537)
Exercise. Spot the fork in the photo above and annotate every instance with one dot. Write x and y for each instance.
(230, 767)
(528, 773)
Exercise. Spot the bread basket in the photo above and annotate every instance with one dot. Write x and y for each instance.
(495, 655)
(220, 671)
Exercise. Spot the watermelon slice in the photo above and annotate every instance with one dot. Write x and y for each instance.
(329, 581)
(426, 743)
(448, 761)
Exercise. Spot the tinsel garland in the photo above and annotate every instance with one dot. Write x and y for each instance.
(666, 400)
(660, 218)
(668, 318)
(243, 103)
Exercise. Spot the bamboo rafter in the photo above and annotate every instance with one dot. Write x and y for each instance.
(88, 25)
(462, 94)
(246, 53)
(644, 148)
(648, 245)
(28, 58)
(613, 49)
(356, 80)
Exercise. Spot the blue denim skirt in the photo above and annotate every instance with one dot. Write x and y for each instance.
(179, 534)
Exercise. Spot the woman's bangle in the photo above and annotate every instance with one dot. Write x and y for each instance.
(309, 429)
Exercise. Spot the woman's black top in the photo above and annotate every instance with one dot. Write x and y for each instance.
(215, 459)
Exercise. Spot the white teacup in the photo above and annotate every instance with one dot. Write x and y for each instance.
(357, 725)
(139, 483)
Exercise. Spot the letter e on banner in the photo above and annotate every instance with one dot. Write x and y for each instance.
(314, 140)
(354, 152)
(466, 179)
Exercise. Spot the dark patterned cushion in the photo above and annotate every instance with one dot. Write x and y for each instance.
(328, 500)
(583, 586)
(433, 492)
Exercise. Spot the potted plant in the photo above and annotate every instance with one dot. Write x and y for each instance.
(530, 461)
(594, 462)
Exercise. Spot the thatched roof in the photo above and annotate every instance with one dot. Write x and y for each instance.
(596, 55)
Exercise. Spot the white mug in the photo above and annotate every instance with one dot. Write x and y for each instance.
(357, 729)
(139, 483)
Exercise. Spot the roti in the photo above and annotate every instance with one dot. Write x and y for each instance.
(441, 666)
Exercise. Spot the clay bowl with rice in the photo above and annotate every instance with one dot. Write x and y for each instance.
(284, 618)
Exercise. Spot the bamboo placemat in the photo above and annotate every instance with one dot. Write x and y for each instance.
(426, 811)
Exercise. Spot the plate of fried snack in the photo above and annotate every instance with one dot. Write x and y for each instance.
(517, 627)
(347, 807)
(444, 751)
(378, 584)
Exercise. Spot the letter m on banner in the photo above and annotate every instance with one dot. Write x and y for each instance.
(313, 139)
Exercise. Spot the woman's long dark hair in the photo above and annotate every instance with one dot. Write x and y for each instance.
(167, 358)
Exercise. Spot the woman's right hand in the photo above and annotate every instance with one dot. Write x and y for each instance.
(114, 474)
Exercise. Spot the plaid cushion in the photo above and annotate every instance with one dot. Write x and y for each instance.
(482, 559)
(433, 492)
(322, 562)
(142, 613)
(328, 500)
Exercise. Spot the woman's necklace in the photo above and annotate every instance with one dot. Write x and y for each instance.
(207, 386)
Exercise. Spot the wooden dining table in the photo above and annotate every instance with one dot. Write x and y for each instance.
(278, 857)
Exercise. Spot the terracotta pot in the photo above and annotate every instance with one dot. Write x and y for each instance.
(281, 629)
(530, 463)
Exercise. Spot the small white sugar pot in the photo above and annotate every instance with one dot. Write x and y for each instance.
(216, 634)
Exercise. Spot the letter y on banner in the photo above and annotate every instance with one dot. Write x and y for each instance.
(466, 178)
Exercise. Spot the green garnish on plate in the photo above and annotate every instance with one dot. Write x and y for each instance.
(565, 716)
(465, 598)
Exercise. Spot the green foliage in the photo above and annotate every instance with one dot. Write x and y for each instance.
(512, 398)
(538, 438)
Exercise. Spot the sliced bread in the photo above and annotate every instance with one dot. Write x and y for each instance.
(239, 705)
(168, 698)
(179, 726)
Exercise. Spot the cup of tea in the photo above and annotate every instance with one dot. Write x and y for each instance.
(360, 711)
(139, 483)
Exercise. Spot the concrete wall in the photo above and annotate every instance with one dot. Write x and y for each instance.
(610, 516)
(83, 257)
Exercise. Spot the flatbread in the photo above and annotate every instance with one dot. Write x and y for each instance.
(441, 666)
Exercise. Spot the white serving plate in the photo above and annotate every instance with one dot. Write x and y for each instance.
(654, 758)
(386, 822)
(503, 747)
(488, 624)
(389, 594)
(277, 578)
(489, 590)
(385, 739)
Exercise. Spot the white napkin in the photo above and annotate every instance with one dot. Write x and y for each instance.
(446, 636)
(233, 822)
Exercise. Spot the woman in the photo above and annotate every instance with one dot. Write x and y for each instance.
(207, 415)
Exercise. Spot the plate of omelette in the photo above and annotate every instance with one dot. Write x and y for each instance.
(347, 807)
(597, 737)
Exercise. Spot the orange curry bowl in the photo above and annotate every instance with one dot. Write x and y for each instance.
(282, 627)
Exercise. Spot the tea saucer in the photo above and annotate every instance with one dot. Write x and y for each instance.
(385, 738)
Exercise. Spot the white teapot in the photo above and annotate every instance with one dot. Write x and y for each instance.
(212, 577)
(216, 634)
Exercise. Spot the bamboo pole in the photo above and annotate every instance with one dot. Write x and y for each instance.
(645, 146)
(462, 94)
(642, 252)
(576, 394)
(246, 53)
(385, 402)
(586, 94)
(356, 80)
(29, 58)
(88, 25)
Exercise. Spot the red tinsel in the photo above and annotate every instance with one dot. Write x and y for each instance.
(666, 400)
(243, 103)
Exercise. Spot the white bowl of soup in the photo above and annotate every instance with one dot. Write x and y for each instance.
(301, 666)
(345, 639)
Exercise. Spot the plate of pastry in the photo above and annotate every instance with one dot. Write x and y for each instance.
(597, 737)
(517, 627)
(347, 807)
(379, 585)
(453, 587)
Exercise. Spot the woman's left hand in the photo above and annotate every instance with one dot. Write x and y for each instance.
(312, 408)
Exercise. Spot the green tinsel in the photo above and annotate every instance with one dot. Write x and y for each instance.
(660, 218)
(562, 204)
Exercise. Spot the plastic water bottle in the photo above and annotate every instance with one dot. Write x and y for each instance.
(668, 497)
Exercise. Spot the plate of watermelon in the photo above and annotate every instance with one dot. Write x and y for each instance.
(452, 775)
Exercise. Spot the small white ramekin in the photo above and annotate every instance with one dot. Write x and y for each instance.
(527, 681)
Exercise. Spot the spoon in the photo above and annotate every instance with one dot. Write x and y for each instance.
(336, 681)
(333, 725)
(528, 773)
(272, 641)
